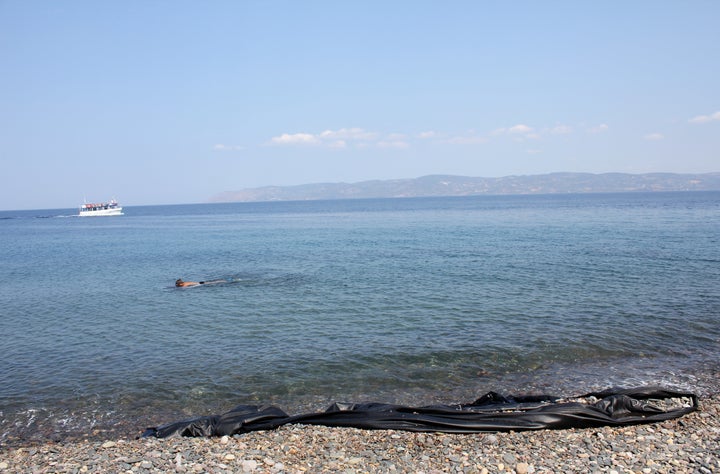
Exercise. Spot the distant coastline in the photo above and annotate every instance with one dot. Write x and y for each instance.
(449, 185)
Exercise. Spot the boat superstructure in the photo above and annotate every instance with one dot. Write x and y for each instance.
(111, 208)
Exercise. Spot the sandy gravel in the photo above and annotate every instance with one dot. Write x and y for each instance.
(688, 444)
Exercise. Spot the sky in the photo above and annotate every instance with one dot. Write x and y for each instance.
(164, 102)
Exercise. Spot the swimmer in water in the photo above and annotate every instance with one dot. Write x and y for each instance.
(180, 283)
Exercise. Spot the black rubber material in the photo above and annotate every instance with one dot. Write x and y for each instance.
(489, 413)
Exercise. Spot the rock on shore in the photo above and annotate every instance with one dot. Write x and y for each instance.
(689, 444)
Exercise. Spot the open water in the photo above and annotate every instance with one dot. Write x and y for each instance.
(415, 301)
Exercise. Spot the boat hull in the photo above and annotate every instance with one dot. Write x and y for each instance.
(117, 211)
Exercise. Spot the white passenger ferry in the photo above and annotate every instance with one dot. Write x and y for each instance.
(101, 209)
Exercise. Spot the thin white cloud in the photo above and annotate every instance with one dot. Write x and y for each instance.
(360, 138)
(295, 139)
(561, 130)
(518, 132)
(342, 138)
(469, 137)
(599, 128)
(396, 137)
(520, 129)
(533, 151)
(399, 144)
(337, 144)
(347, 134)
(466, 140)
(221, 147)
(706, 118)
(654, 136)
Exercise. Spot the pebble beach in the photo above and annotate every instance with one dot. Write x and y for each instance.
(690, 444)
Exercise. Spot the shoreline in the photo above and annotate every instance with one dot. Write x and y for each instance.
(126, 422)
(687, 444)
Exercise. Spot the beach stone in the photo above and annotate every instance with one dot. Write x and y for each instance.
(249, 465)
(522, 468)
(109, 444)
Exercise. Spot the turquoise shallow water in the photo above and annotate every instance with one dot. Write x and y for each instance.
(397, 300)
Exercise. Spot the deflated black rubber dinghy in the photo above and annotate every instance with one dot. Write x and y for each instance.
(489, 413)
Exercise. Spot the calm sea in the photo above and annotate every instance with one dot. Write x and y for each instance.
(415, 301)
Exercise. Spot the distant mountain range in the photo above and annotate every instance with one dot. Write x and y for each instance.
(446, 185)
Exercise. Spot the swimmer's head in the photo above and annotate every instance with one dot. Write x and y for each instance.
(178, 282)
